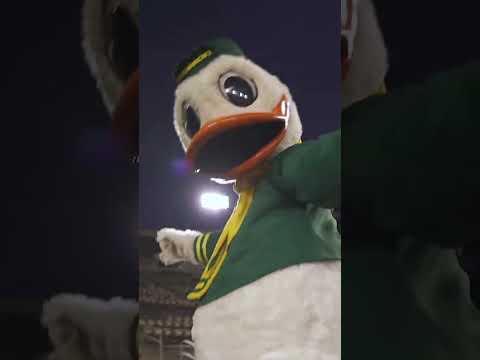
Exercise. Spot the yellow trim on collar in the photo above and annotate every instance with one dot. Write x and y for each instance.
(223, 244)
(194, 63)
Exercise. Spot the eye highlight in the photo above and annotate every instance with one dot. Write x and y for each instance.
(238, 90)
(191, 121)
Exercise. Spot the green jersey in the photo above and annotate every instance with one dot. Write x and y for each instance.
(288, 221)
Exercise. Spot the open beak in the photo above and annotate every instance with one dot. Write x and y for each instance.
(125, 115)
(232, 146)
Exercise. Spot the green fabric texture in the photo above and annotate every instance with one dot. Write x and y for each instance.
(412, 157)
(211, 50)
(279, 230)
(410, 174)
(310, 172)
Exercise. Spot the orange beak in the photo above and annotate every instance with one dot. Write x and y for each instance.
(218, 127)
(125, 115)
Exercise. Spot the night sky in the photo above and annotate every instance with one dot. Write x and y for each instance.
(71, 199)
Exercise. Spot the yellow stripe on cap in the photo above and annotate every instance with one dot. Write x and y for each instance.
(194, 63)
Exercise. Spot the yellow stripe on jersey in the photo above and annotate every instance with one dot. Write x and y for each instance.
(223, 244)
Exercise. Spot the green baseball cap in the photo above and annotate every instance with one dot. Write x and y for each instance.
(204, 55)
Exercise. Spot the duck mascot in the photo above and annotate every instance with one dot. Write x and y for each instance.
(410, 175)
(271, 283)
(410, 182)
(281, 242)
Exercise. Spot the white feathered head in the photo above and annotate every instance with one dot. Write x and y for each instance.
(230, 114)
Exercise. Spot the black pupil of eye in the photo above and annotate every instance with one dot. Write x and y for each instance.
(238, 91)
(192, 122)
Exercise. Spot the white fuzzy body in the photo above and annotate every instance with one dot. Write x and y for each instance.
(293, 314)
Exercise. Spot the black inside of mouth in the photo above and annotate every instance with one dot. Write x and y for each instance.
(231, 148)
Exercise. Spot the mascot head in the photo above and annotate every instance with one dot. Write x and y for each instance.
(363, 52)
(110, 42)
(230, 114)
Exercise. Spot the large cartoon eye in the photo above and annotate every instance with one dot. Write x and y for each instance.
(191, 121)
(237, 89)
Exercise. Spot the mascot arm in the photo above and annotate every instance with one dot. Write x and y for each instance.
(411, 158)
(185, 245)
(310, 171)
(204, 245)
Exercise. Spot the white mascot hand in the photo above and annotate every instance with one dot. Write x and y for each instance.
(176, 245)
(83, 328)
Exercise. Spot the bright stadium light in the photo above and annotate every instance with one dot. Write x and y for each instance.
(214, 201)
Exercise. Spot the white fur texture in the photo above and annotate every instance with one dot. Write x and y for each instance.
(177, 245)
(369, 61)
(96, 41)
(202, 92)
(83, 328)
(291, 314)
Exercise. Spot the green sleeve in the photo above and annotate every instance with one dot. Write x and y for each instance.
(411, 158)
(311, 171)
(204, 245)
